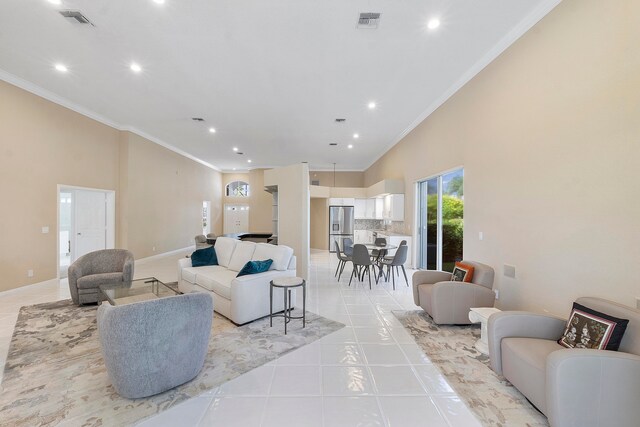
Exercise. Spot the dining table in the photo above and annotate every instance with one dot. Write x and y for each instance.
(382, 252)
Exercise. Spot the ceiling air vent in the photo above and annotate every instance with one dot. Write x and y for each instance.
(340, 120)
(368, 21)
(76, 17)
(197, 119)
(333, 144)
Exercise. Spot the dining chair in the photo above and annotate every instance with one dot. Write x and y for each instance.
(390, 257)
(398, 261)
(342, 261)
(361, 263)
(377, 253)
(348, 246)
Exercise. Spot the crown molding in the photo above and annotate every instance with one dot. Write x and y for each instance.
(511, 37)
(64, 102)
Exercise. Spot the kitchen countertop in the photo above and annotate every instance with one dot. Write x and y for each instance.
(391, 233)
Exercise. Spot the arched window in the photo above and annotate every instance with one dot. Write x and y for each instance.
(238, 189)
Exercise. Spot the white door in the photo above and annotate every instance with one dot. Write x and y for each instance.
(90, 222)
(236, 219)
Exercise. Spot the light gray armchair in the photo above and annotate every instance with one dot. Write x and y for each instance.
(572, 387)
(449, 302)
(97, 268)
(155, 345)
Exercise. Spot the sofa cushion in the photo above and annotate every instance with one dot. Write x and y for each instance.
(280, 254)
(189, 274)
(224, 249)
(95, 280)
(218, 281)
(206, 256)
(241, 255)
(255, 267)
(587, 328)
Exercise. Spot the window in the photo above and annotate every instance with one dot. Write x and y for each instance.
(441, 221)
(238, 189)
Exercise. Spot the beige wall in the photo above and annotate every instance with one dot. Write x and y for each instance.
(165, 195)
(343, 179)
(293, 211)
(548, 137)
(259, 201)
(319, 223)
(43, 144)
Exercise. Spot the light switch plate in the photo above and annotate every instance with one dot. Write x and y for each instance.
(638, 302)
(45, 230)
(509, 270)
(480, 235)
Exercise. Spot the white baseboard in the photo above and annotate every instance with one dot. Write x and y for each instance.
(164, 254)
(37, 285)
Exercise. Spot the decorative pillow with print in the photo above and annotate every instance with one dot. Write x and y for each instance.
(591, 329)
(462, 272)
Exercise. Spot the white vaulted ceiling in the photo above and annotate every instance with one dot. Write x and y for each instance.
(270, 76)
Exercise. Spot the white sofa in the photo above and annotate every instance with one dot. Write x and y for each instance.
(240, 299)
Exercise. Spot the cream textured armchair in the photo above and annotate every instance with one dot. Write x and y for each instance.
(449, 302)
(572, 387)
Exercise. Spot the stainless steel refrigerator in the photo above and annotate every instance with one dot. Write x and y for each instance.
(340, 226)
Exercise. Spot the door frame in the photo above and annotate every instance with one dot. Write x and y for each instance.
(416, 215)
(111, 218)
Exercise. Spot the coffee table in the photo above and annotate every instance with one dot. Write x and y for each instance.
(136, 290)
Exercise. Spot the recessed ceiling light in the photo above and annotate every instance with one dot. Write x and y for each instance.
(433, 23)
(235, 148)
(249, 161)
(212, 130)
(61, 67)
(136, 68)
(356, 136)
(56, 2)
(371, 105)
(350, 146)
(158, 1)
(233, 169)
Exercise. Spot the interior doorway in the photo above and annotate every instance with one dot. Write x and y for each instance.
(206, 217)
(86, 223)
(236, 218)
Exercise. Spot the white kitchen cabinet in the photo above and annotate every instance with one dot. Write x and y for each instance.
(370, 208)
(369, 236)
(360, 211)
(348, 201)
(393, 207)
(379, 208)
(360, 236)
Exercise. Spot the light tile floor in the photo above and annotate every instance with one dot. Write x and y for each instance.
(371, 373)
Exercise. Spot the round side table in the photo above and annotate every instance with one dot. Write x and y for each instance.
(287, 284)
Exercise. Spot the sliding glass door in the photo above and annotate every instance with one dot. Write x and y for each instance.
(440, 221)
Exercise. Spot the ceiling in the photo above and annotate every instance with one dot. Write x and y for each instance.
(270, 76)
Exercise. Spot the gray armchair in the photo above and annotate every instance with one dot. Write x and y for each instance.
(572, 387)
(97, 268)
(155, 345)
(449, 302)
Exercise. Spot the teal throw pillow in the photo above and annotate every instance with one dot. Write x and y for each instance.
(255, 267)
(202, 257)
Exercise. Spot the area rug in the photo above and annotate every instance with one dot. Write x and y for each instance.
(55, 374)
(493, 400)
